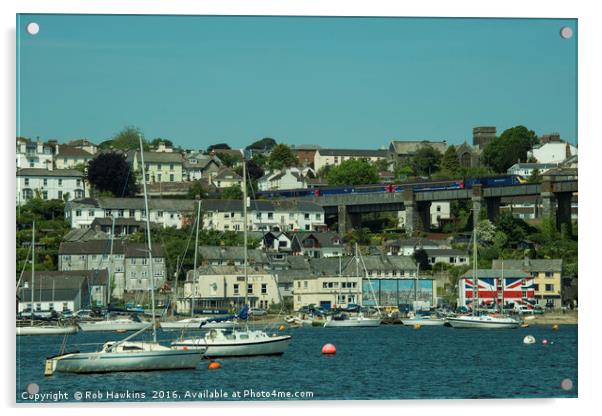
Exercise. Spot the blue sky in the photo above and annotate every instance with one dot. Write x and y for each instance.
(336, 82)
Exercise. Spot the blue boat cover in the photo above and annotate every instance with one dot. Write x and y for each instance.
(242, 314)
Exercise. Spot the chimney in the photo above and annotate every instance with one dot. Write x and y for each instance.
(567, 151)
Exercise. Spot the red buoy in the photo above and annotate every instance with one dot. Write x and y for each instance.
(329, 349)
(214, 365)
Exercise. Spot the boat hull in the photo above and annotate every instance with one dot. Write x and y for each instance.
(221, 348)
(479, 324)
(100, 326)
(46, 330)
(353, 323)
(101, 362)
(423, 322)
(172, 326)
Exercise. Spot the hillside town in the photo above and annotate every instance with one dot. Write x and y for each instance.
(327, 226)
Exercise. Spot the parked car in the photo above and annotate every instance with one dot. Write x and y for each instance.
(538, 310)
(522, 309)
(257, 312)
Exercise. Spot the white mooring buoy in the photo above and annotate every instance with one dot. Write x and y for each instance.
(529, 339)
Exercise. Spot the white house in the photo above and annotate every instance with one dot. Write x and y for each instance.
(334, 157)
(439, 212)
(225, 178)
(317, 244)
(198, 166)
(527, 169)
(64, 184)
(553, 152)
(290, 178)
(67, 157)
(447, 256)
(84, 144)
(159, 166)
(408, 246)
(165, 212)
(33, 154)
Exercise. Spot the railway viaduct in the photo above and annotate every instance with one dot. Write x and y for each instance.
(555, 194)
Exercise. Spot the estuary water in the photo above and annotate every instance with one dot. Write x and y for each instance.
(386, 362)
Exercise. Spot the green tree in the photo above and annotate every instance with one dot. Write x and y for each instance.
(360, 236)
(403, 170)
(450, 163)
(382, 165)
(110, 172)
(232, 192)
(426, 161)
(126, 139)
(353, 172)
(265, 144)
(535, 176)
(282, 157)
(197, 189)
(421, 257)
(227, 159)
(511, 147)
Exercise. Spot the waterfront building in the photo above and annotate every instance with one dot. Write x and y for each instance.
(127, 265)
(63, 290)
(63, 184)
(225, 178)
(546, 275)
(290, 178)
(527, 169)
(334, 157)
(223, 287)
(518, 288)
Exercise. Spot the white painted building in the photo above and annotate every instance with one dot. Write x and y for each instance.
(290, 178)
(68, 157)
(262, 215)
(224, 287)
(159, 166)
(408, 246)
(64, 184)
(33, 154)
(527, 169)
(334, 157)
(439, 211)
(553, 152)
(226, 178)
(165, 212)
(447, 256)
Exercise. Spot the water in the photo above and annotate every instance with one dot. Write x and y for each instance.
(387, 362)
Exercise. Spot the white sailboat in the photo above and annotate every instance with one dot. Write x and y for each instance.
(420, 320)
(237, 342)
(43, 327)
(477, 320)
(119, 324)
(195, 322)
(126, 355)
(359, 320)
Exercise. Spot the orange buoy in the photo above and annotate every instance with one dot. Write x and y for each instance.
(281, 328)
(185, 348)
(417, 326)
(329, 349)
(214, 365)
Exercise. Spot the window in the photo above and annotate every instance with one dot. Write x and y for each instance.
(108, 213)
(159, 166)
(45, 181)
(132, 213)
(536, 287)
(549, 274)
(270, 215)
(45, 195)
(120, 213)
(90, 213)
(306, 227)
(250, 288)
(264, 288)
(305, 284)
(26, 181)
(549, 288)
(318, 216)
(306, 216)
(258, 215)
(78, 182)
(299, 284)
(60, 195)
(159, 177)
(171, 177)
(60, 182)
(160, 214)
(324, 285)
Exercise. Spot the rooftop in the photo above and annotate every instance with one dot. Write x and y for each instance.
(354, 152)
(530, 265)
(57, 173)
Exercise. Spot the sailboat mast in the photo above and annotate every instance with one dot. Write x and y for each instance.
(196, 252)
(503, 285)
(112, 269)
(148, 236)
(244, 217)
(33, 266)
(475, 278)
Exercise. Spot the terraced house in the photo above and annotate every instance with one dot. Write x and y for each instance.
(547, 278)
(63, 184)
(127, 263)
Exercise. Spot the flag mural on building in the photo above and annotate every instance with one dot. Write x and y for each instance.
(518, 288)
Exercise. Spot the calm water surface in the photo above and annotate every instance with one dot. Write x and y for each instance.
(387, 362)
